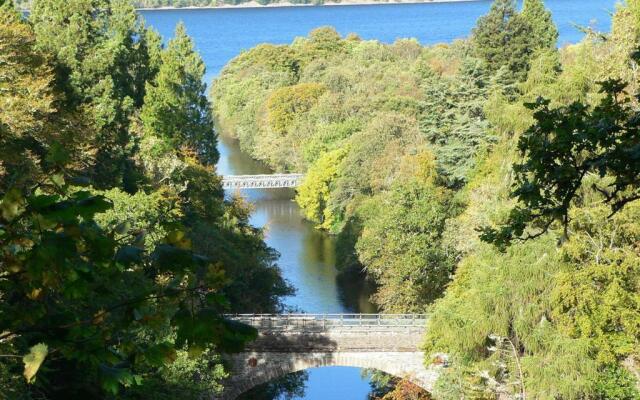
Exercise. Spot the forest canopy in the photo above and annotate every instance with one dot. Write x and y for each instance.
(120, 254)
(491, 182)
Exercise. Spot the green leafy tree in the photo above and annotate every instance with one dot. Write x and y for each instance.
(598, 298)
(176, 108)
(542, 26)
(313, 194)
(32, 116)
(101, 307)
(564, 147)
(285, 103)
(504, 38)
(110, 292)
(323, 42)
(401, 244)
(477, 317)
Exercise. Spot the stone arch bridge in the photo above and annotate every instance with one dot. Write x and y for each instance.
(294, 342)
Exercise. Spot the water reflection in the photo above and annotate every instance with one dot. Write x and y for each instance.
(307, 256)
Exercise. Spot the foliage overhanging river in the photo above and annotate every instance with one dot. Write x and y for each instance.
(308, 256)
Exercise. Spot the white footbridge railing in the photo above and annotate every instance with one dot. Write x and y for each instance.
(271, 181)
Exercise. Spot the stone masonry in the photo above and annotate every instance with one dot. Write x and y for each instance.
(280, 349)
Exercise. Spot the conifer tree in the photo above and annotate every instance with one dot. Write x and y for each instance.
(176, 108)
(96, 46)
(504, 38)
(545, 33)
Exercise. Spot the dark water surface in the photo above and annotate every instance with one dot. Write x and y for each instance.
(308, 256)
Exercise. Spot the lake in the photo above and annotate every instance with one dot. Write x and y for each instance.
(220, 34)
(308, 256)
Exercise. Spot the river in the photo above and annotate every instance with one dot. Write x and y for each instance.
(308, 256)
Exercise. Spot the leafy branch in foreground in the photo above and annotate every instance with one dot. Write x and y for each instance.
(81, 301)
(560, 150)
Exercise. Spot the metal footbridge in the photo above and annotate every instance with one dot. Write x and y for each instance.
(269, 181)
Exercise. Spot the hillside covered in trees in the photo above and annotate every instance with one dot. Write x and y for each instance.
(119, 252)
(492, 182)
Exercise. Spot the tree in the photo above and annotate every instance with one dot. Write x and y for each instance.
(102, 289)
(99, 308)
(545, 33)
(34, 126)
(453, 119)
(95, 45)
(401, 246)
(176, 108)
(564, 147)
(504, 38)
(323, 42)
(313, 194)
(598, 298)
(284, 104)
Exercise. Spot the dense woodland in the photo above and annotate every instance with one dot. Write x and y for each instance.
(119, 253)
(491, 182)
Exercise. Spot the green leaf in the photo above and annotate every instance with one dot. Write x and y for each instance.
(12, 204)
(88, 207)
(58, 154)
(58, 180)
(33, 361)
(41, 202)
(160, 354)
(114, 377)
(236, 335)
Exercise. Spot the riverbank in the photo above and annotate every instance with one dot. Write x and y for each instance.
(255, 4)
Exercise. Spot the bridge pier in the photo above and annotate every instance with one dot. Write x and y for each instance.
(287, 344)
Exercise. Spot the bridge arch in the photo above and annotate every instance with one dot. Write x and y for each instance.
(407, 365)
(291, 343)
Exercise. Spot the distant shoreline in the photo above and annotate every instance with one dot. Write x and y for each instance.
(255, 4)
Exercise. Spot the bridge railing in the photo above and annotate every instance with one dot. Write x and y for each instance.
(261, 181)
(306, 322)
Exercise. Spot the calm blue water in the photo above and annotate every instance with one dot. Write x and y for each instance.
(220, 34)
(307, 256)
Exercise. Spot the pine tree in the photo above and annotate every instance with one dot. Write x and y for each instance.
(176, 108)
(96, 47)
(504, 38)
(545, 33)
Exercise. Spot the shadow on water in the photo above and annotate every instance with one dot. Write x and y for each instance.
(307, 256)
(355, 292)
(308, 260)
